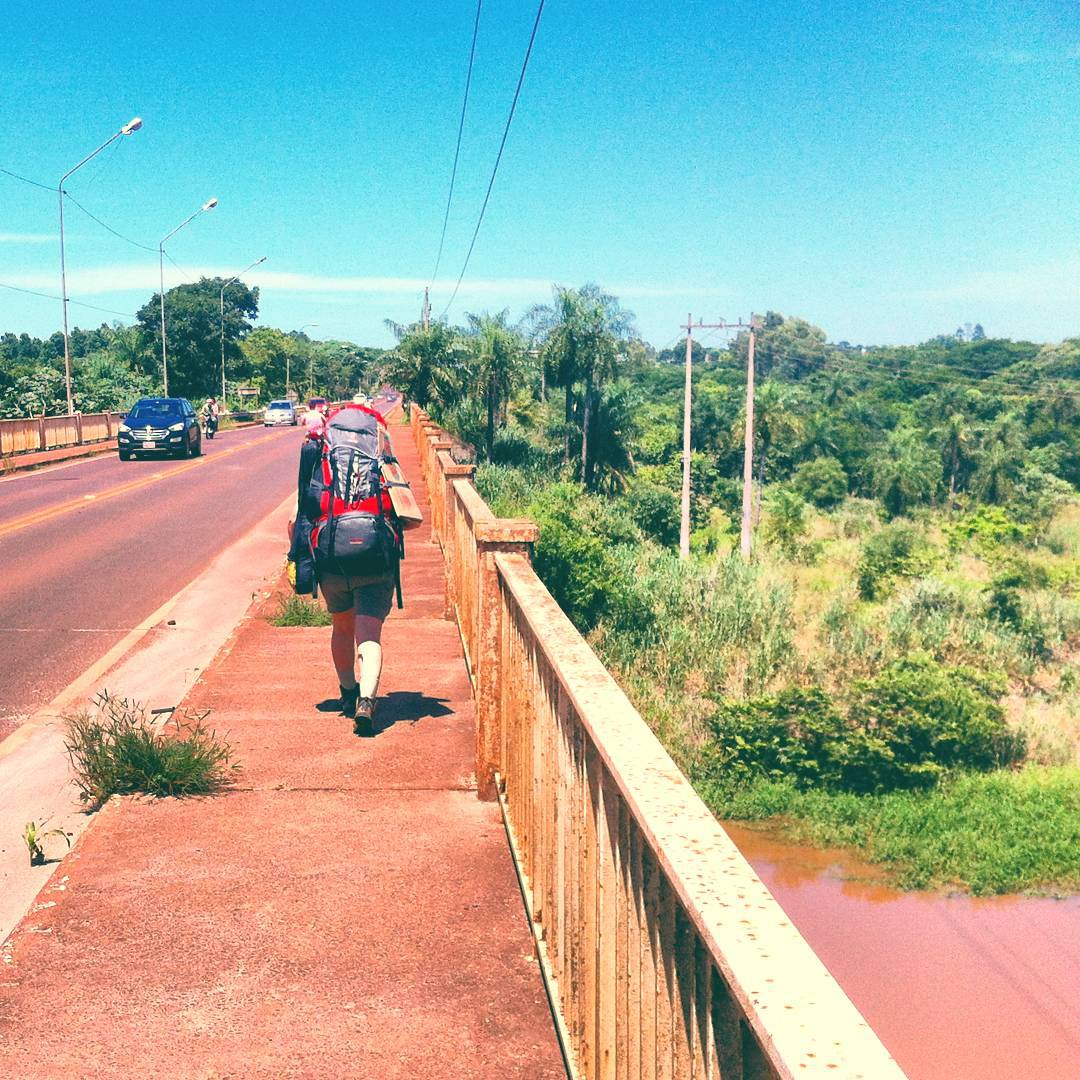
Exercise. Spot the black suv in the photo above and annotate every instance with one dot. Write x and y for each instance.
(160, 425)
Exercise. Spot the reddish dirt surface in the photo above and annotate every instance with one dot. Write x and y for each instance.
(957, 988)
(349, 910)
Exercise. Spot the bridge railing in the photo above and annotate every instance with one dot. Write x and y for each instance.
(664, 953)
(48, 432)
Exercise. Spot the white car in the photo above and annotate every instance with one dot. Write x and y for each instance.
(280, 412)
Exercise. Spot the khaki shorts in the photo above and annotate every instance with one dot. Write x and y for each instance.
(372, 597)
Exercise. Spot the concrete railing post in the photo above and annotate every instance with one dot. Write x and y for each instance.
(451, 471)
(437, 489)
(41, 433)
(78, 429)
(513, 536)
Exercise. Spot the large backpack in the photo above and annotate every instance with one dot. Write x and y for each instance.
(355, 534)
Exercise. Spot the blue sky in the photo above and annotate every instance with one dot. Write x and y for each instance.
(888, 171)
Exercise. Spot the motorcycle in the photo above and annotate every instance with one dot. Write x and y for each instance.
(210, 425)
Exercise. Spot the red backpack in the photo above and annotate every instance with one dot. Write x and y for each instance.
(356, 534)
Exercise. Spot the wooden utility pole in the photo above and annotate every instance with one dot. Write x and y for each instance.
(425, 311)
(746, 540)
(684, 518)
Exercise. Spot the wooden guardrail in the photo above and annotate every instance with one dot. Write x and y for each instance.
(664, 953)
(49, 432)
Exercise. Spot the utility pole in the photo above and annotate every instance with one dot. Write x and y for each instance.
(746, 539)
(684, 520)
(425, 311)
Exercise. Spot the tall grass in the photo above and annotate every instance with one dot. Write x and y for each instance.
(983, 832)
(116, 750)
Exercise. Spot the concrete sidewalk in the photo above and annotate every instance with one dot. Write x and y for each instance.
(349, 910)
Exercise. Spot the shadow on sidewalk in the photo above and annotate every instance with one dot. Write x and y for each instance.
(399, 706)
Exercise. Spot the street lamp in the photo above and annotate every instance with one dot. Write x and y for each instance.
(128, 129)
(223, 288)
(208, 205)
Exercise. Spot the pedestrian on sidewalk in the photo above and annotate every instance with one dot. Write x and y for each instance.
(347, 542)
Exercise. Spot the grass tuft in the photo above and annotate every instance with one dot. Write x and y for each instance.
(297, 611)
(117, 750)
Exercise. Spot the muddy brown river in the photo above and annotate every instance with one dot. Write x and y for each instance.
(956, 987)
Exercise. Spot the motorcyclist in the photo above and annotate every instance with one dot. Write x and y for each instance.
(210, 417)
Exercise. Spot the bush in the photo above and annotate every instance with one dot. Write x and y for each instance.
(987, 528)
(897, 550)
(656, 511)
(118, 751)
(822, 481)
(511, 447)
(920, 719)
(574, 555)
(798, 735)
(785, 522)
(905, 728)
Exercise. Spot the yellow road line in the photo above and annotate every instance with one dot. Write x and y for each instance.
(66, 507)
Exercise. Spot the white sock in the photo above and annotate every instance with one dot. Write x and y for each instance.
(370, 653)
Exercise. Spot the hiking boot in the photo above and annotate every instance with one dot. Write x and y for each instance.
(365, 711)
(349, 699)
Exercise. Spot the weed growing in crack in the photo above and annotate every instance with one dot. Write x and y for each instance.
(116, 750)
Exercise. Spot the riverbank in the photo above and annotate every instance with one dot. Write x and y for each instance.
(927, 723)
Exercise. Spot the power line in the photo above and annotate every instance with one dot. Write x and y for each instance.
(461, 128)
(498, 158)
(107, 227)
(27, 180)
(80, 303)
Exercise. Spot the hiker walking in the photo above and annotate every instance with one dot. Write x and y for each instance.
(347, 541)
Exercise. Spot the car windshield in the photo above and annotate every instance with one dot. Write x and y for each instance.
(279, 405)
(156, 412)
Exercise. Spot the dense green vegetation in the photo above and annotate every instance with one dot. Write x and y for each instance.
(896, 667)
(114, 365)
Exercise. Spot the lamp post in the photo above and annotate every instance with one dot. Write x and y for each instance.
(237, 277)
(311, 362)
(208, 205)
(128, 129)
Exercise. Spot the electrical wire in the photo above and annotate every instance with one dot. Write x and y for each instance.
(498, 157)
(79, 303)
(93, 217)
(26, 180)
(457, 148)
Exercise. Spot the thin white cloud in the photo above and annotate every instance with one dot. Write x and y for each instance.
(1055, 284)
(1020, 57)
(27, 238)
(101, 280)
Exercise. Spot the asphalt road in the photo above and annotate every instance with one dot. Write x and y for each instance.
(89, 550)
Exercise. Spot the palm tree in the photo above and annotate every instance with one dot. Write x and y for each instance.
(957, 436)
(580, 333)
(905, 471)
(430, 366)
(1001, 458)
(498, 361)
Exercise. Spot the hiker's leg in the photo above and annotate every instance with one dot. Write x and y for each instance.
(368, 629)
(342, 648)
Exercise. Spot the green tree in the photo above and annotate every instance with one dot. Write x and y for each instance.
(430, 367)
(498, 354)
(193, 326)
(580, 333)
(906, 471)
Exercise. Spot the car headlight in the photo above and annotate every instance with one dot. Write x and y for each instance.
(176, 427)
(124, 428)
